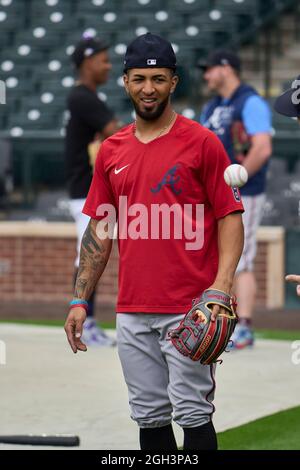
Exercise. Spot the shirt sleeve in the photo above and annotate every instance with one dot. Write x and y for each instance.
(100, 198)
(92, 111)
(256, 116)
(223, 198)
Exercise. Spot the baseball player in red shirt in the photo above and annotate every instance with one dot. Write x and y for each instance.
(180, 232)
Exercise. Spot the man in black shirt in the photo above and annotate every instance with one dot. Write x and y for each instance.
(90, 120)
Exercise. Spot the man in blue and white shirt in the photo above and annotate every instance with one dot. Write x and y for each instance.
(241, 119)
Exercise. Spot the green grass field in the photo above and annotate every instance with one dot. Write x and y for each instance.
(280, 431)
(51, 323)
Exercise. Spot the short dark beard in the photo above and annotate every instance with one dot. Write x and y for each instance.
(149, 116)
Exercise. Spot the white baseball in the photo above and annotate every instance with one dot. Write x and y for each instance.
(236, 175)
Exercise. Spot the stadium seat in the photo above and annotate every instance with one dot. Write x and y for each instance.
(10, 22)
(16, 7)
(191, 39)
(97, 6)
(160, 21)
(41, 8)
(104, 22)
(10, 68)
(22, 54)
(63, 54)
(57, 21)
(221, 26)
(18, 86)
(59, 88)
(39, 37)
(44, 102)
(52, 70)
(189, 6)
(34, 119)
(140, 6)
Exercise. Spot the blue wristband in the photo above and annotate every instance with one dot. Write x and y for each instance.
(78, 301)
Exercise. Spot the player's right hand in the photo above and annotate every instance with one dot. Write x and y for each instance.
(294, 278)
(73, 328)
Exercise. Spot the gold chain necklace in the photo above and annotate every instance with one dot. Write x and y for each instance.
(173, 116)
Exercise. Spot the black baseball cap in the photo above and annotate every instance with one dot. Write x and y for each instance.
(220, 57)
(87, 47)
(149, 50)
(288, 103)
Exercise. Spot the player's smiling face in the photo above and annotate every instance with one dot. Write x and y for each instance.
(149, 90)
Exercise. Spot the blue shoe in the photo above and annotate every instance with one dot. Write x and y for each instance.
(242, 337)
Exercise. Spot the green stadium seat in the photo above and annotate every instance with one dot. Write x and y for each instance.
(245, 12)
(57, 21)
(141, 6)
(58, 87)
(6, 38)
(39, 38)
(22, 54)
(13, 6)
(9, 68)
(189, 6)
(32, 120)
(104, 22)
(52, 70)
(97, 6)
(63, 54)
(44, 104)
(10, 22)
(18, 87)
(191, 38)
(160, 21)
(42, 8)
(125, 37)
(221, 26)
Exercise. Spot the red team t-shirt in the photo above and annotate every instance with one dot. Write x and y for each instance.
(172, 193)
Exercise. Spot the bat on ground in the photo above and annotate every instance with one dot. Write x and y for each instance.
(63, 440)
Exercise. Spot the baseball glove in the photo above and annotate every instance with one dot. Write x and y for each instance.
(197, 336)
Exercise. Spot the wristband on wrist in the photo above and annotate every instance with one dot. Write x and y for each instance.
(79, 303)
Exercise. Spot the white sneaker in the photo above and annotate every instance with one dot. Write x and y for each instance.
(94, 336)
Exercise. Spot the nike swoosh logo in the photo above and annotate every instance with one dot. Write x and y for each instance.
(121, 169)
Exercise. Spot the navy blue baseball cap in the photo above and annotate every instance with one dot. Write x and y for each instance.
(149, 50)
(288, 103)
(87, 47)
(220, 57)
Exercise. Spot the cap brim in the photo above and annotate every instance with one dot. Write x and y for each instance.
(202, 65)
(284, 104)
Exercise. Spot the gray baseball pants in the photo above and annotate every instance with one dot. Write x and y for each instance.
(162, 383)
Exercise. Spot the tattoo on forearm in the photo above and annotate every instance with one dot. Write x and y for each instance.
(93, 259)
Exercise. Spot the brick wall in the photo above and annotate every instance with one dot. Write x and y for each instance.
(260, 268)
(40, 267)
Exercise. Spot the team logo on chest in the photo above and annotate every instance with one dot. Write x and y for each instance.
(170, 179)
(220, 119)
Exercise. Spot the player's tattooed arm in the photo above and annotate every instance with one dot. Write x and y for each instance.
(94, 253)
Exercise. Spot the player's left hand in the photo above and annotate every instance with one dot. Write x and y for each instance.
(224, 287)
